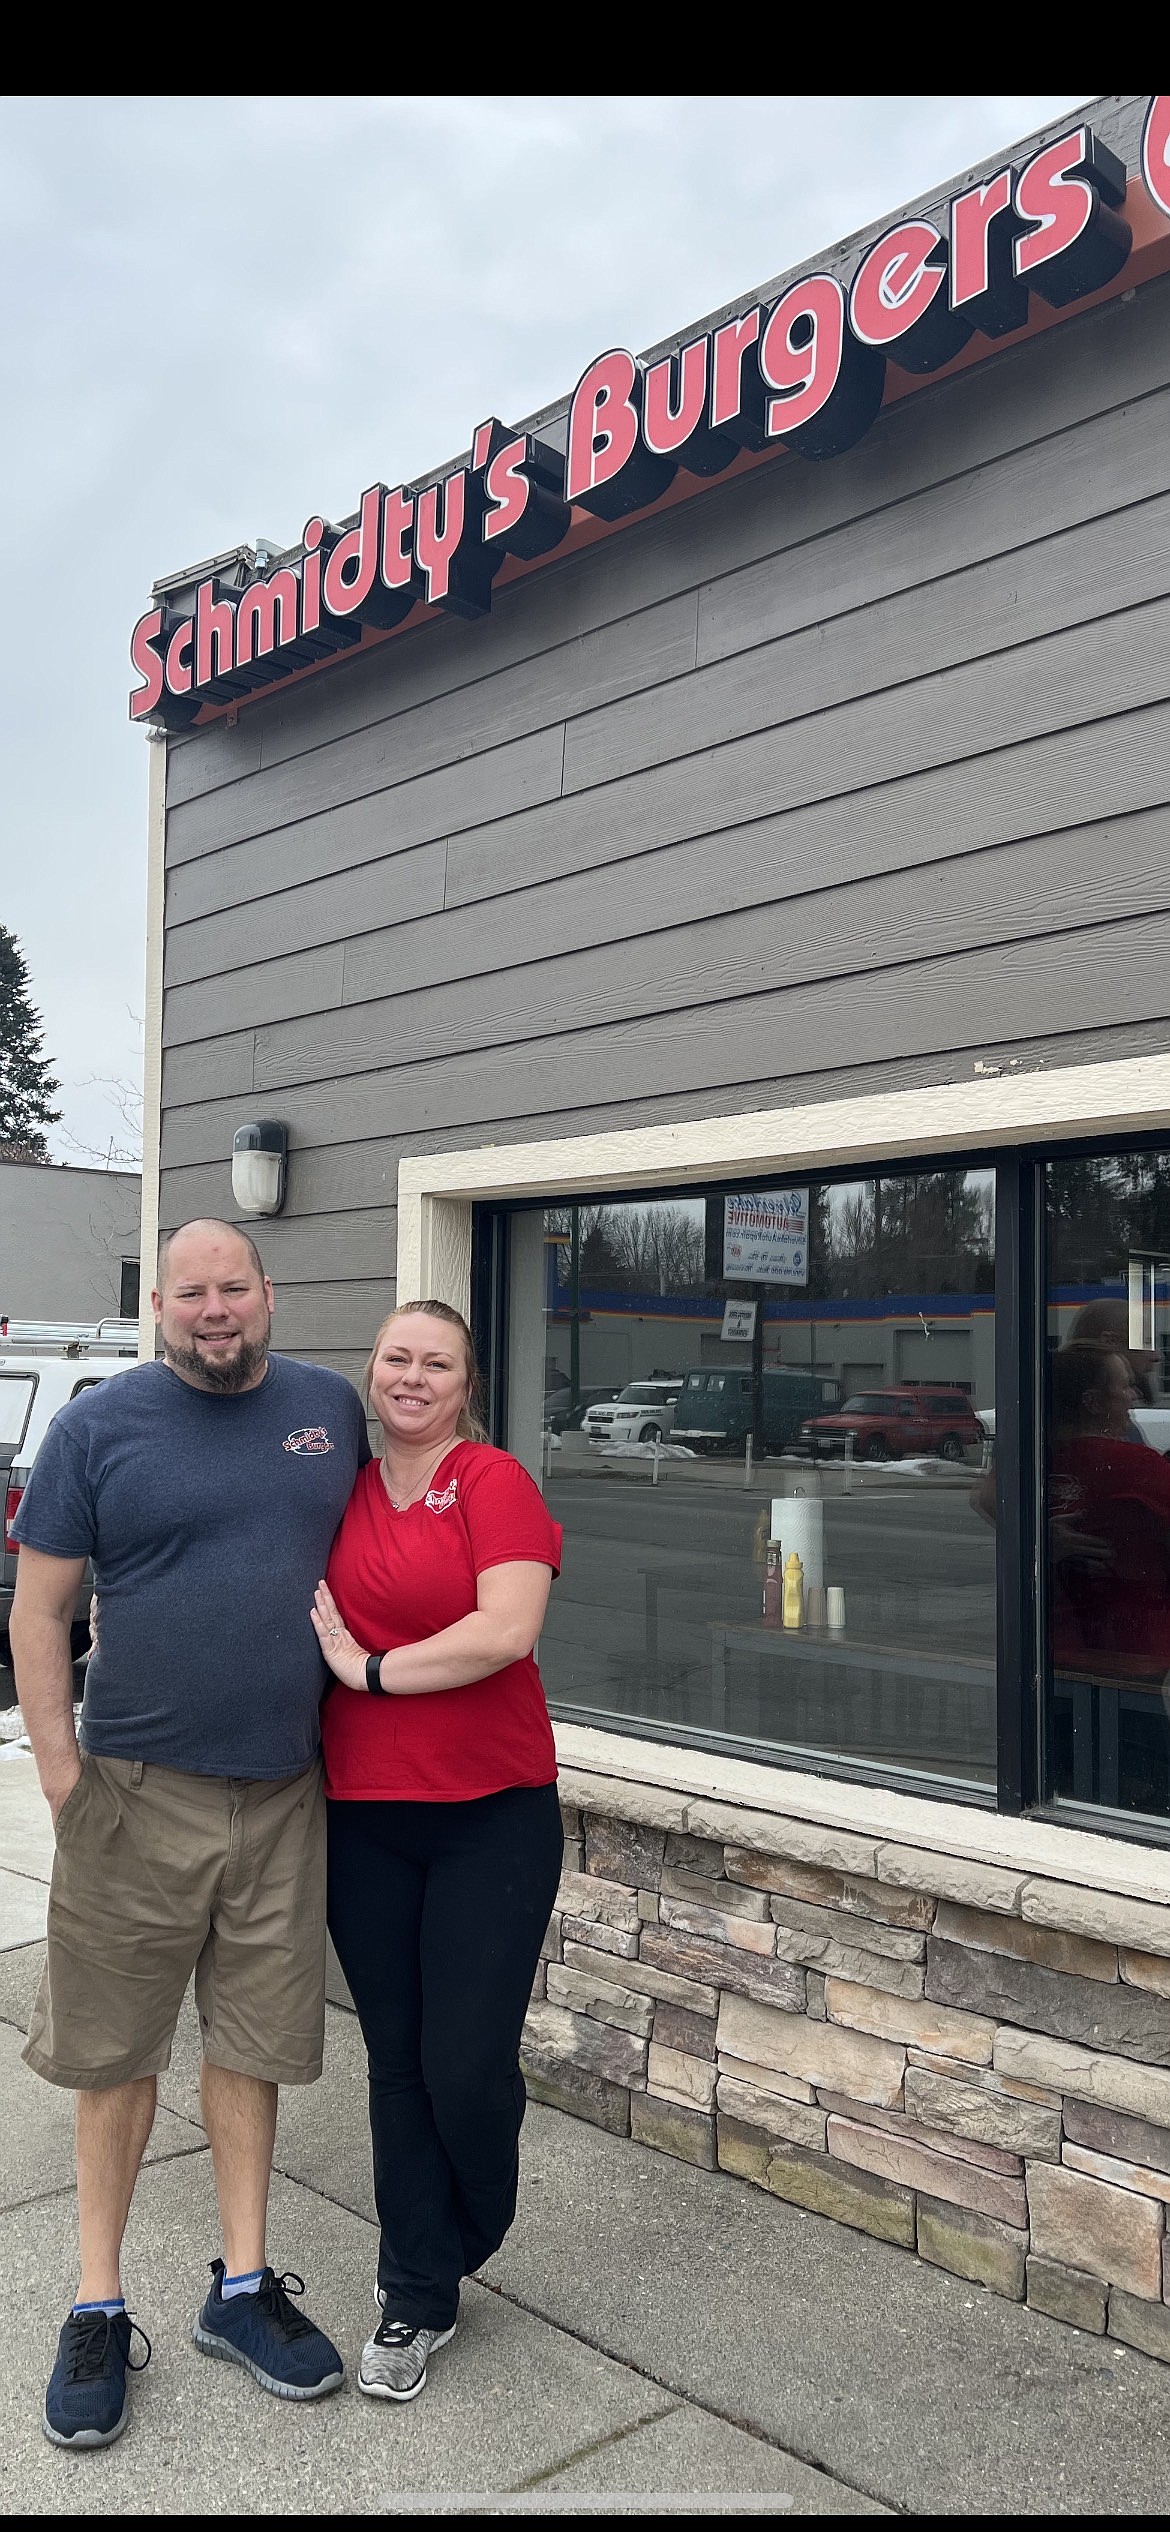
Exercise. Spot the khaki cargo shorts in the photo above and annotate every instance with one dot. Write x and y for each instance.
(157, 1874)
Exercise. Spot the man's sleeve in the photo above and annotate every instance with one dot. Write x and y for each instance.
(56, 1510)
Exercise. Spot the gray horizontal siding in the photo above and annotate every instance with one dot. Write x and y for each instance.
(1081, 576)
(1087, 979)
(1075, 1045)
(1000, 508)
(216, 1068)
(1095, 874)
(348, 1360)
(341, 1317)
(827, 778)
(947, 716)
(396, 887)
(308, 850)
(270, 989)
(1037, 495)
(508, 777)
(1111, 770)
(595, 667)
(946, 719)
(308, 1248)
(1027, 496)
(333, 1178)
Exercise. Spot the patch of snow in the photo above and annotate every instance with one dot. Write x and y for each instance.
(645, 1450)
(929, 1467)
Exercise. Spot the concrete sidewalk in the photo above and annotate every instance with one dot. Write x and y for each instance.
(652, 2338)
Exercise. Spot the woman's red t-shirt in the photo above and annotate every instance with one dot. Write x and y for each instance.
(1111, 1607)
(398, 1577)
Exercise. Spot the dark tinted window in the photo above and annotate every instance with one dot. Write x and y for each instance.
(1107, 1502)
(779, 1296)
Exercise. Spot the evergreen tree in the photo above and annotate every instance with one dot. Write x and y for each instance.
(26, 1084)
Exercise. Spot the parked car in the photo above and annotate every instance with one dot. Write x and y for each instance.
(564, 1417)
(643, 1411)
(33, 1386)
(909, 1423)
(557, 1393)
(715, 1409)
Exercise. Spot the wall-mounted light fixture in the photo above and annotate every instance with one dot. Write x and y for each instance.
(260, 1166)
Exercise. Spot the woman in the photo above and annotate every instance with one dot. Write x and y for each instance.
(1109, 1556)
(445, 1837)
(1109, 1514)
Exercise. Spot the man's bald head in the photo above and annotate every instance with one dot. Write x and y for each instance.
(207, 1226)
(213, 1304)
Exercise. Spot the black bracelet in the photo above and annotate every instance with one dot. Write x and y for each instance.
(374, 1663)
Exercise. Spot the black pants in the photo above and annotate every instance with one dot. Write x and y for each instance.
(437, 1911)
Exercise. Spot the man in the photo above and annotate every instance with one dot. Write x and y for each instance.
(190, 1826)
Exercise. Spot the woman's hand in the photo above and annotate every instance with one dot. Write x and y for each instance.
(346, 1658)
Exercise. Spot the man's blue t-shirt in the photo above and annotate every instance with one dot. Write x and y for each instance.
(209, 1520)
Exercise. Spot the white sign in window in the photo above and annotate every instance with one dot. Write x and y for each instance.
(765, 1238)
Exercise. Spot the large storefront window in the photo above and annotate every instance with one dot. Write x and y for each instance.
(764, 1418)
(1107, 1505)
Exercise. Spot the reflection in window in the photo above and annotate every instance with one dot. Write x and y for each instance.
(1107, 1527)
(799, 1371)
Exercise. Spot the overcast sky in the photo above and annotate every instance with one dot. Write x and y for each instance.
(222, 314)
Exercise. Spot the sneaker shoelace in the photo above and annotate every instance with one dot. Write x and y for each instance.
(273, 2301)
(88, 2342)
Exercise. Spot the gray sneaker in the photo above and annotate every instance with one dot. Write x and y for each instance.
(394, 2361)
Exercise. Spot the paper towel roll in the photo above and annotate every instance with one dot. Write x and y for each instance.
(798, 1522)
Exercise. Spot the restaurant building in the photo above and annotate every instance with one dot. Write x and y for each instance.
(691, 880)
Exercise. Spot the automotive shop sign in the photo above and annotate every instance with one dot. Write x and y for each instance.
(765, 1238)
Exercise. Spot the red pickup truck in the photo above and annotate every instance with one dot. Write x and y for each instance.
(917, 1422)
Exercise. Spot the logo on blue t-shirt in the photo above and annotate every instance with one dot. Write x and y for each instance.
(309, 1437)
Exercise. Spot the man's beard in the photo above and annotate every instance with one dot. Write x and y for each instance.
(226, 1379)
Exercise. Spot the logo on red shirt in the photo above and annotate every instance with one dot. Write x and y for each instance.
(436, 1502)
(311, 1437)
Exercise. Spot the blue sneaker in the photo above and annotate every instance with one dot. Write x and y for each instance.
(86, 2399)
(280, 2347)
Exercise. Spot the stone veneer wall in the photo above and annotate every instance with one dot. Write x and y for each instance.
(970, 2062)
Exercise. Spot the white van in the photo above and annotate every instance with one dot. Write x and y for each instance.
(41, 1368)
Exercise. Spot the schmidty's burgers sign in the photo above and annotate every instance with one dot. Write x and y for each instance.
(805, 373)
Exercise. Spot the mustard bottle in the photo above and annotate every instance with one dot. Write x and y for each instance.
(794, 1591)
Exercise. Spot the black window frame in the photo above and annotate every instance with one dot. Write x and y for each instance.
(1023, 1759)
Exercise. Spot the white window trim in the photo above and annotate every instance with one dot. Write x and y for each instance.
(436, 1191)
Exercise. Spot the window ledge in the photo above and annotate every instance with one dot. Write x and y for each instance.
(1032, 1868)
